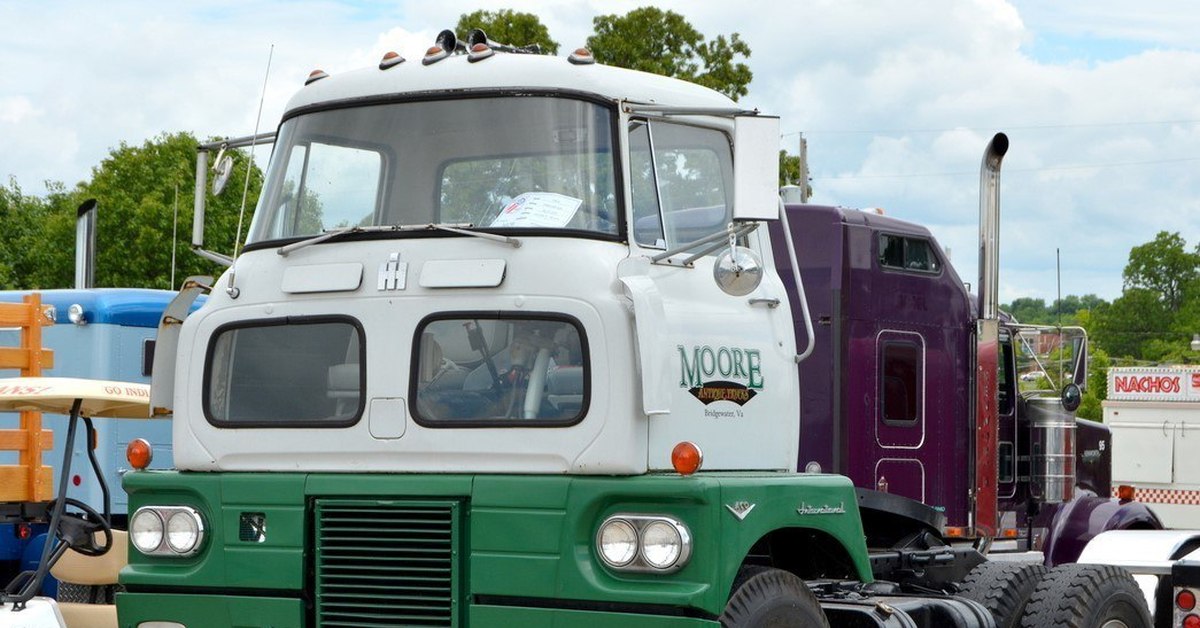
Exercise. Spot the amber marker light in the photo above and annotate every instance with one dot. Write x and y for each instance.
(390, 59)
(686, 458)
(1125, 492)
(315, 76)
(139, 453)
(581, 56)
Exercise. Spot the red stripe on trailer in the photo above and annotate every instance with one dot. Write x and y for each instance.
(1168, 496)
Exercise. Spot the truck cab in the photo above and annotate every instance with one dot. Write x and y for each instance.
(510, 320)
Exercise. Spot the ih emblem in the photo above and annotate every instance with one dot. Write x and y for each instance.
(740, 509)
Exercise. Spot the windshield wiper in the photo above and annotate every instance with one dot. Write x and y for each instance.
(464, 228)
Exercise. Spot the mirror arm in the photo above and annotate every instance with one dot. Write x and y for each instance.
(791, 249)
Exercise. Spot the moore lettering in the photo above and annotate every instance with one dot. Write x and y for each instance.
(727, 363)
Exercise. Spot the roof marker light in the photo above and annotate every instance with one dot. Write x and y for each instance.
(479, 52)
(390, 59)
(315, 76)
(582, 56)
(434, 54)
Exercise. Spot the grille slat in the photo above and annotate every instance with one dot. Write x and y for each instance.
(386, 564)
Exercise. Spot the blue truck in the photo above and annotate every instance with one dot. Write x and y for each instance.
(100, 333)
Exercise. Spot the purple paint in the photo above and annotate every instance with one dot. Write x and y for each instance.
(860, 307)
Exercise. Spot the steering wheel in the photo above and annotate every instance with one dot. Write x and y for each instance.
(79, 532)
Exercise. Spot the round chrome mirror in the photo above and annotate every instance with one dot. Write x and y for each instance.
(1072, 396)
(221, 173)
(738, 271)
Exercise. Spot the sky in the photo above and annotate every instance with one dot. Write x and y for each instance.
(896, 99)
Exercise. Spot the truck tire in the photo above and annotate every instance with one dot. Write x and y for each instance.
(1087, 596)
(1002, 588)
(766, 597)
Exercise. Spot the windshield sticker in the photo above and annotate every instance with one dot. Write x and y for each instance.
(721, 374)
(538, 209)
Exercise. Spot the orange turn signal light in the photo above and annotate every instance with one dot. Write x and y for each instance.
(1126, 492)
(955, 532)
(686, 457)
(139, 453)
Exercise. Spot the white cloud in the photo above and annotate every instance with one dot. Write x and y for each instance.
(880, 88)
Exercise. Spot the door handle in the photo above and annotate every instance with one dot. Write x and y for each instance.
(770, 302)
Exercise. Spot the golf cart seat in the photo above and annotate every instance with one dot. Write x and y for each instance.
(87, 584)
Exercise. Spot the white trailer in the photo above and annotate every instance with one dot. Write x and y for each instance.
(1154, 414)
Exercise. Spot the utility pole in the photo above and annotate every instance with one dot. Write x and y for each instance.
(803, 169)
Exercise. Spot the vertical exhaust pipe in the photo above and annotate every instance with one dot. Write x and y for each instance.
(85, 245)
(989, 227)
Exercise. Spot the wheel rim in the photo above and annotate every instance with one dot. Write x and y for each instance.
(1114, 623)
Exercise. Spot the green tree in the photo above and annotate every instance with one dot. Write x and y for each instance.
(1135, 318)
(508, 27)
(135, 189)
(1164, 266)
(1097, 385)
(37, 241)
(663, 42)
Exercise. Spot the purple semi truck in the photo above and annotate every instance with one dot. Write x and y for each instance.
(955, 422)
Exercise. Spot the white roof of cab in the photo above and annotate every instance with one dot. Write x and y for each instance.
(101, 398)
(509, 71)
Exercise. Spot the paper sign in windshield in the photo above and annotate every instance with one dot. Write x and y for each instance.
(538, 209)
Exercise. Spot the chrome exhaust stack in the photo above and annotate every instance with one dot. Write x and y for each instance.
(85, 245)
(989, 227)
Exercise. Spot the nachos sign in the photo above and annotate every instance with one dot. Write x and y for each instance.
(1154, 383)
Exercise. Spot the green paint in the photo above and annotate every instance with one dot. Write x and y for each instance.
(510, 536)
(559, 618)
(209, 610)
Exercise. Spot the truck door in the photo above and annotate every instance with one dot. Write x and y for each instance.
(731, 377)
(900, 421)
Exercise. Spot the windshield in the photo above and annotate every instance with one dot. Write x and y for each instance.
(514, 162)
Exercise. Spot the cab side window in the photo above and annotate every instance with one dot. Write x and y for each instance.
(681, 178)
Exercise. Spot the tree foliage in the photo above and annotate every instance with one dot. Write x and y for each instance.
(508, 27)
(1163, 266)
(663, 42)
(135, 189)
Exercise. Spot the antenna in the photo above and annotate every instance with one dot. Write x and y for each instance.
(232, 290)
(1062, 359)
(174, 234)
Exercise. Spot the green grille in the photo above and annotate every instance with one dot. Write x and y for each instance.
(386, 563)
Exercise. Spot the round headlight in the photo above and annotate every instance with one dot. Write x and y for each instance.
(661, 544)
(618, 542)
(146, 531)
(183, 532)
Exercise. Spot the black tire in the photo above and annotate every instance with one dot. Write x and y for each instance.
(1002, 588)
(771, 598)
(1087, 596)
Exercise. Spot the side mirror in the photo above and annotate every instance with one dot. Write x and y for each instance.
(221, 173)
(1071, 397)
(738, 271)
(755, 168)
